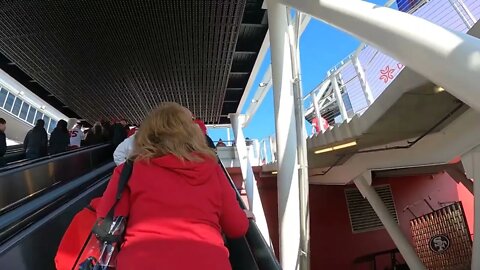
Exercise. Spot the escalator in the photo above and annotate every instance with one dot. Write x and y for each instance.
(15, 158)
(36, 177)
(31, 233)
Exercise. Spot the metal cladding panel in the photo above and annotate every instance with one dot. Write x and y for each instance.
(120, 58)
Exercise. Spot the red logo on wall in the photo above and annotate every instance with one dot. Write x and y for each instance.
(386, 74)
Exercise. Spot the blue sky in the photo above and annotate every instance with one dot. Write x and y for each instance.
(321, 47)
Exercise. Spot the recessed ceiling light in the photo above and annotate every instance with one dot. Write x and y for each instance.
(438, 89)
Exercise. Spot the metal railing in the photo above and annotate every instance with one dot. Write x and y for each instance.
(363, 75)
(268, 150)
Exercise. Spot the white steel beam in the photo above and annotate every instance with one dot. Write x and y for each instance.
(253, 75)
(253, 196)
(286, 140)
(363, 183)
(294, 40)
(266, 82)
(453, 63)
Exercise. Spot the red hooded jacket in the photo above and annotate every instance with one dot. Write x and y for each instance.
(177, 212)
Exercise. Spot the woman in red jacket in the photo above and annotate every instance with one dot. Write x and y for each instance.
(178, 199)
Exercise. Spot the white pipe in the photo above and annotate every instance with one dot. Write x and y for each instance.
(339, 98)
(253, 74)
(287, 177)
(447, 58)
(363, 80)
(304, 256)
(253, 196)
(262, 91)
(460, 13)
(402, 243)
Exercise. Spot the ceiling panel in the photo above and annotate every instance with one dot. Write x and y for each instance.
(120, 58)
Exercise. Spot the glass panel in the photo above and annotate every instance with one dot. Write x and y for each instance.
(47, 121)
(53, 124)
(38, 116)
(9, 102)
(24, 111)
(16, 106)
(3, 96)
(31, 115)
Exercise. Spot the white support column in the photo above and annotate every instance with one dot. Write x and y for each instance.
(363, 183)
(363, 80)
(253, 196)
(287, 178)
(300, 130)
(228, 137)
(408, 39)
(471, 164)
(338, 97)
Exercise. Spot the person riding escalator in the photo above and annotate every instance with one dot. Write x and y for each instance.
(94, 135)
(36, 141)
(60, 138)
(3, 141)
(178, 200)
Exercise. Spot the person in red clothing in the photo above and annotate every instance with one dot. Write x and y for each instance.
(178, 199)
(322, 126)
(132, 130)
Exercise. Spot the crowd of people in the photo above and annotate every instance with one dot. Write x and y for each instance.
(37, 144)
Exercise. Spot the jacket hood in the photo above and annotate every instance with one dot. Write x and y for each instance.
(196, 173)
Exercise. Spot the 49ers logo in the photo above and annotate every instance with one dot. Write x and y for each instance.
(73, 133)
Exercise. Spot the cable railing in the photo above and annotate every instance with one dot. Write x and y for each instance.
(363, 75)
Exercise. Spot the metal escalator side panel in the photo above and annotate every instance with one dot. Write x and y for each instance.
(35, 246)
(263, 254)
(22, 184)
(29, 212)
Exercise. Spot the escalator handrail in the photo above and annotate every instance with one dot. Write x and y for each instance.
(262, 252)
(13, 221)
(25, 164)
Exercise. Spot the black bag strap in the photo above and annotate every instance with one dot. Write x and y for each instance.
(122, 183)
(101, 230)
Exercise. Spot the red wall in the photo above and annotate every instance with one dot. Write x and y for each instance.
(333, 245)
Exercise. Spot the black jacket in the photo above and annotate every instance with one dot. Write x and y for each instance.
(36, 143)
(93, 138)
(59, 141)
(119, 134)
(3, 144)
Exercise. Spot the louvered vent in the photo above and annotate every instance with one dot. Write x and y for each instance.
(362, 216)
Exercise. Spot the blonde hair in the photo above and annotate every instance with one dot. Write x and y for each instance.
(169, 129)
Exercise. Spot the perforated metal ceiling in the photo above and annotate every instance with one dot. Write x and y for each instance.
(119, 58)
